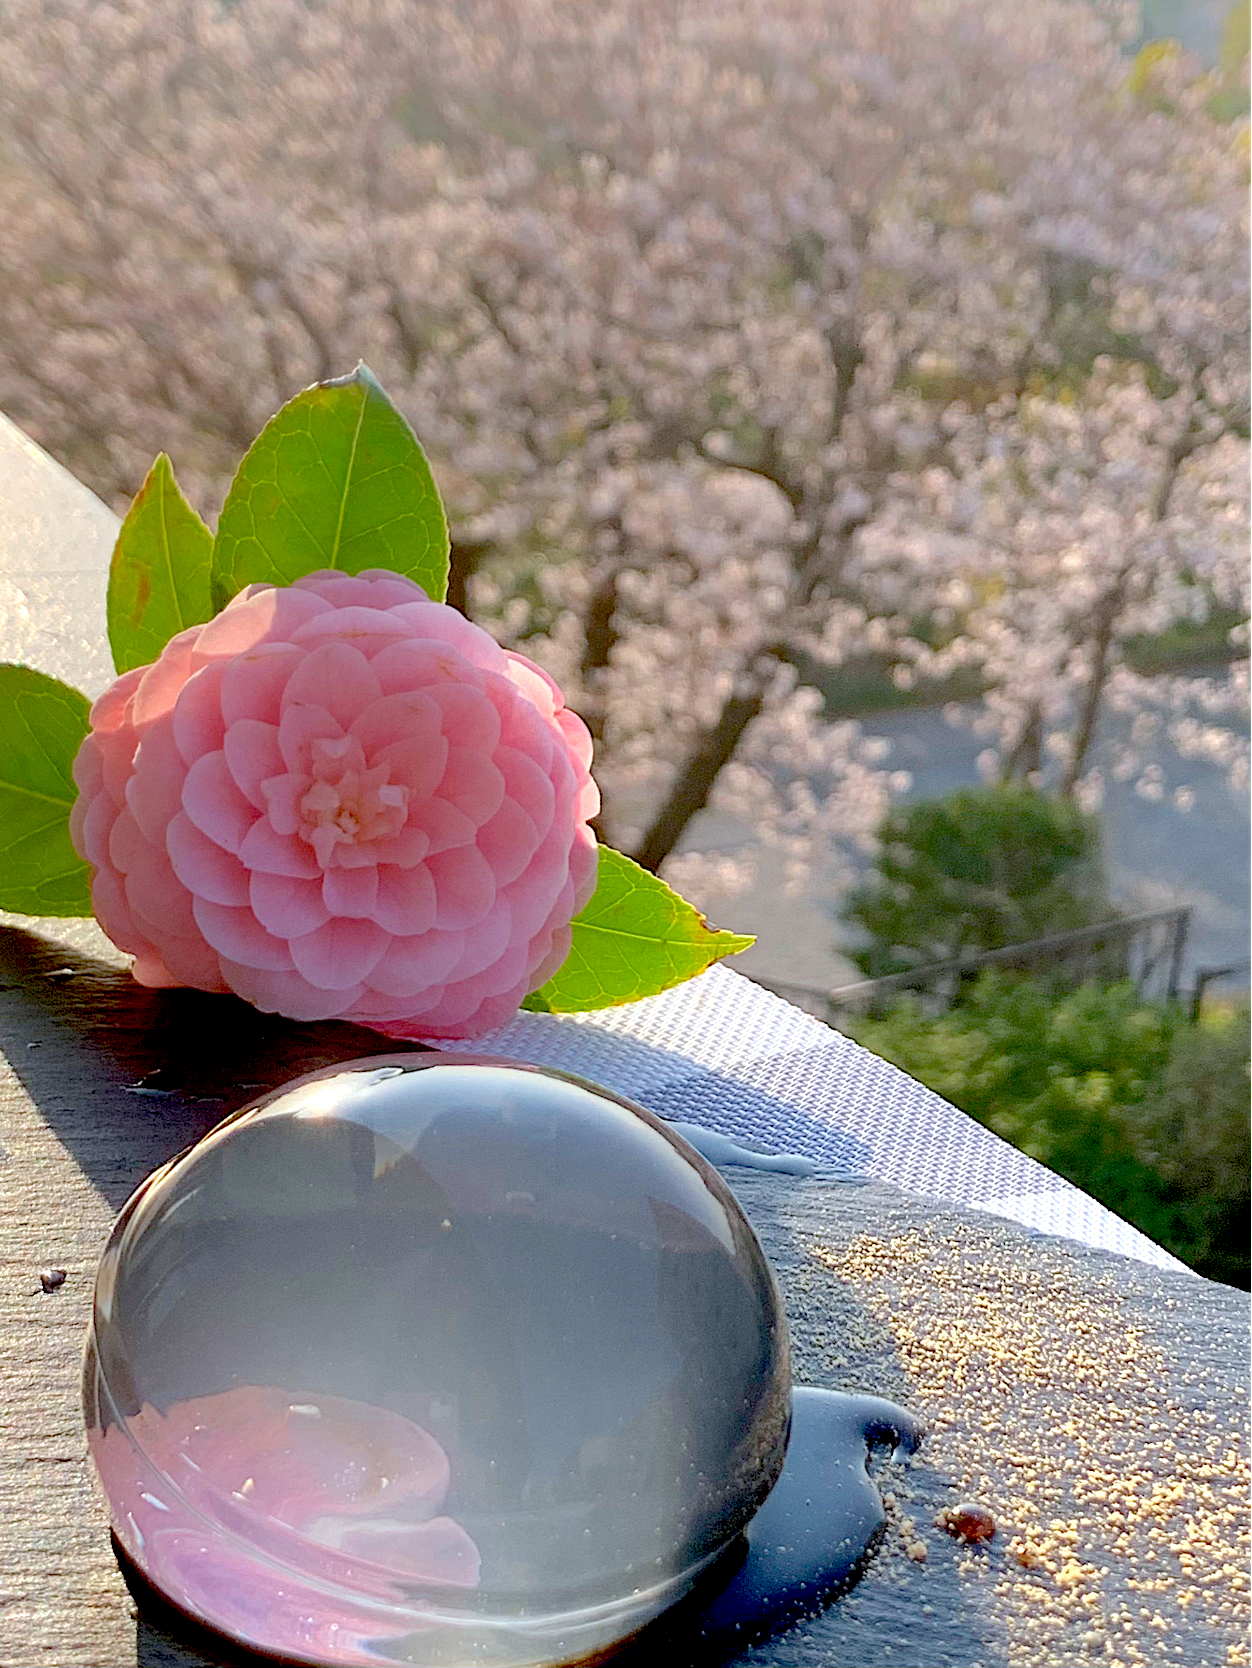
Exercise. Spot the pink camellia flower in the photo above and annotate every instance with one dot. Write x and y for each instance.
(340, 800)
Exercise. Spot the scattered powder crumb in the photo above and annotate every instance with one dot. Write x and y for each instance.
(1053, 1412)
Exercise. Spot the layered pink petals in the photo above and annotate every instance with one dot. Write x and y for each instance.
(340, 799)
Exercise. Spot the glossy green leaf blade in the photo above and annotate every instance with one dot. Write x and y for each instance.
(634, 938)
(42, 725)
(159, 575)
(336, 480)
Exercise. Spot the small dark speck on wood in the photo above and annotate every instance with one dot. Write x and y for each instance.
(51, 1278)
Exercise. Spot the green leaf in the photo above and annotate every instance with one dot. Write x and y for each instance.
(335, 480)
(42, 725)
(159, 575)
(634, 938)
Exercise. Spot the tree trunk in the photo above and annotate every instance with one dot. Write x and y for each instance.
(1094, 694)
(1110, 608)
(1027, 755)
(464, 559)
(599, 630)
(692, 785)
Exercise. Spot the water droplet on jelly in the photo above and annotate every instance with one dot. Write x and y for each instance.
(431, 1361)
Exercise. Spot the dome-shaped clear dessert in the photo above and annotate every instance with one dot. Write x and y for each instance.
(434, 1361)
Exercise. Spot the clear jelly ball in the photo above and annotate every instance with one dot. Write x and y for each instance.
(434, 1361)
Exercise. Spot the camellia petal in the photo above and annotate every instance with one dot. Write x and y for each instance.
(551, 961)
(472, 783)
(535, 683)
(508, 841)
(278, 854)
(283, 796)
(577, 737)
(300, 725)
(486, 943)
(443, 825)
(213, 802)
(287, 993)
(286, 906)
(406, 900)
(191, 961)
(340, 953)
(416, 964)
(202, 864)
(252, 755)
(507, 973)
(108, 903)
(418, 762)
(253, 683)
(371, 588)
(127, 847)
(533, 895)
(408, 715)
(162, 682)
(367, 629)
(351, 893)
(527, 786)
(464, 886)
(93, 831)
(238, 935)
(431, 622)
(336, 676)
(158, 900)
(153, 789)
(109, 711)
(583, 864)
(467, 715)
(198, 723)
(265, 614)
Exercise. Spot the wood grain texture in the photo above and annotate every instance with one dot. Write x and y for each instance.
(1063, 1386)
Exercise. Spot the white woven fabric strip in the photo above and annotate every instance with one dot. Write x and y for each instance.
(724, 1054)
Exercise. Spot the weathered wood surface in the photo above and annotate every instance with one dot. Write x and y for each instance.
(1094, 1404)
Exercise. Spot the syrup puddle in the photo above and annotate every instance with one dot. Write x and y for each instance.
(808, 1543)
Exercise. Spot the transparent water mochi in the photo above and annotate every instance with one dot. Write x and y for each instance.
(434, 1361)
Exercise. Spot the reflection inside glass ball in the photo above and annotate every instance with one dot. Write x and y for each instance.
(431, 1361)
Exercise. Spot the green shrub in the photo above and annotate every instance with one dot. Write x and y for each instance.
(1128, 1100)
(977, 870)
(1193, 1125)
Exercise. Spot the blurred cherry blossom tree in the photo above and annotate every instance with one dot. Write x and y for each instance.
(744, 335)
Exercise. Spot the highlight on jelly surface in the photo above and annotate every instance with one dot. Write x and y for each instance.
(432, 1361)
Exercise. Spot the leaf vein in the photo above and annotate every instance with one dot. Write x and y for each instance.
(347, 480)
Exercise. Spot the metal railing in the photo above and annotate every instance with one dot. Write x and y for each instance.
(1146, 949)
(1205, 976)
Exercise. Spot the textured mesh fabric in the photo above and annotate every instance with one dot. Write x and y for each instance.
(724, 1054)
